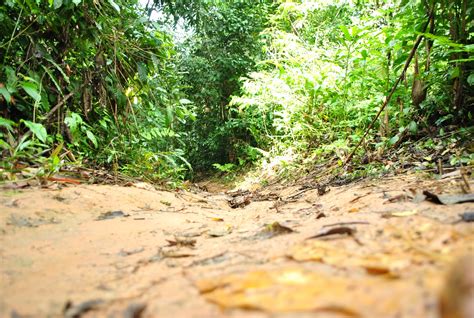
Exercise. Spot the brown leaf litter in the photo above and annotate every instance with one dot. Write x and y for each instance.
(376, 248)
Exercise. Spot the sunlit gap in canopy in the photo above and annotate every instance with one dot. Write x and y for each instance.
(179, 30)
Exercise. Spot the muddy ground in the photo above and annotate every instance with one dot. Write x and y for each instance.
(376, 248)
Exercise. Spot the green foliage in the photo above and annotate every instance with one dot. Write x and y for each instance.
(224, 44)
(240, 82)
(327, 71)
(100, 76)
(24, 149)
(37, 129)
(227, 168)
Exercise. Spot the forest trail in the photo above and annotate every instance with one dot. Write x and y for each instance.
(369, 249)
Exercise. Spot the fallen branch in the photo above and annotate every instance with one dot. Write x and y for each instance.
(55, 108)
(64, 180)
(62, 102)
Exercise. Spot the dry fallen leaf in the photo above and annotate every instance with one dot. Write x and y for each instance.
(293, 290)
(395, 251)
(340, 230)
(276, 229)
(449, 199)
(374, 263)
(182, 242)
(143, 186)
(399, 213)
(221, 231)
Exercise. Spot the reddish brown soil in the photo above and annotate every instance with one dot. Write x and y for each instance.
(53, 251)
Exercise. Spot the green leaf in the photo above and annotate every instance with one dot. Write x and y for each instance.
(114, 5)
(6, 94)
(413, 127)
(142, 71)
(76, 2)
(185, 162)
(12, 79)
(58, 4)
(53, 79)
(470, 79)
(37, 129)
(8, 124)
(185, 101)
(355, 31)
(73, 121)
(455, 73)
(45, 102)
(4, 145)
(24, 142)
(31, 89)
(344, 30)
(66, 78)
(92, 138)
(394, 140)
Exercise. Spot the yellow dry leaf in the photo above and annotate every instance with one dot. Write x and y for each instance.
(320, 251)
(300, 290)
(376, 262)
(382, 263)
(400, 213)
(405, 213)
(401, 249)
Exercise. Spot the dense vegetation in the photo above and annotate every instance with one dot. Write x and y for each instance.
(174, 87)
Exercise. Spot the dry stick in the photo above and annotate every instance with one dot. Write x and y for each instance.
(387, 100)
(59, 104)
(64, 100)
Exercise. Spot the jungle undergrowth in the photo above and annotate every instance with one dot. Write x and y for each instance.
(287, 88)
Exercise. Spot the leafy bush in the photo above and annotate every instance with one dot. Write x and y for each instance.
(327, 71)
(98, 75)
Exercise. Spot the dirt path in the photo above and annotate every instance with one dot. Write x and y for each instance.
(185, 254)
